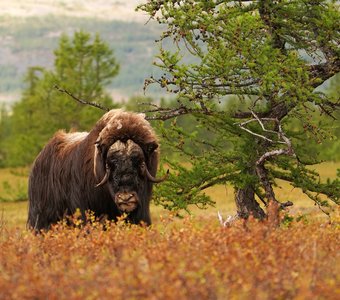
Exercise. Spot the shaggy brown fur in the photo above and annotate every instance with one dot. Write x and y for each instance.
(66, 173)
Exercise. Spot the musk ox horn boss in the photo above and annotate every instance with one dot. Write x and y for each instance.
(109, 170)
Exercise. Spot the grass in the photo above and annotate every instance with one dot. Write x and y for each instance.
(14, 214)
(13, 184)
(224, 195)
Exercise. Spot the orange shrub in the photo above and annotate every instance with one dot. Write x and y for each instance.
(191, 259)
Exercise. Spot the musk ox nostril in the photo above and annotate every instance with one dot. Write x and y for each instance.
(126, 197)
(126, 201)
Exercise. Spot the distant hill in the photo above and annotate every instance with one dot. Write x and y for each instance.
(123, 10)
(30, 40)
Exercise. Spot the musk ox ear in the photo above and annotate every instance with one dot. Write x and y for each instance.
(151, 156)
(150, 147)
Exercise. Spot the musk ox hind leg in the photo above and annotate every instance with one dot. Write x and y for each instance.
(37, 218)
(47, 188)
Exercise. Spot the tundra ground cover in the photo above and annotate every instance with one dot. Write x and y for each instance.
(192, 258)
(188, 259)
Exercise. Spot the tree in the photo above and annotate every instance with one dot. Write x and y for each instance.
(331, 148)
(83, 66)
(269, 55)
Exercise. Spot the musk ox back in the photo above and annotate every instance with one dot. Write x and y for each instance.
(109, 170)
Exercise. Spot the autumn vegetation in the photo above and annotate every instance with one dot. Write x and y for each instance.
(190, 259)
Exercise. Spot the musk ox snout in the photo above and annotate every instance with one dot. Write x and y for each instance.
(126, 201)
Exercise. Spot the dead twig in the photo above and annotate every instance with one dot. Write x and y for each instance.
(94, 104)
(261, 171)
(162, 113)
(229, 221)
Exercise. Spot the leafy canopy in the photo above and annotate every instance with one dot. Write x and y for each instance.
(248, 72)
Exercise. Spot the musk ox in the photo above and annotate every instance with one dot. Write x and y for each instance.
(109, 170)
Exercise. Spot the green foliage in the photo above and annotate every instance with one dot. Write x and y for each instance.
(13, 185)
(247, 71)
(83, 66)
(13, 194)
(289, 220)
(316, 131)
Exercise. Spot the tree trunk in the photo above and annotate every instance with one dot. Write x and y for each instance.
(247, 205)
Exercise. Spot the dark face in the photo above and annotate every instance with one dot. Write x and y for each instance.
(126, 172)
(125, 162)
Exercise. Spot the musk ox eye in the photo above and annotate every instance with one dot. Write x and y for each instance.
(112, 161)
(137, 161)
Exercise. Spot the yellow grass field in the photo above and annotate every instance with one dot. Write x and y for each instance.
(14, 214)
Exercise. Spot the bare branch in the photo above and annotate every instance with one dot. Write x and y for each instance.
(324, 70)
(256, 134)
(259, 120)
(162, 113)
(261, 171)
(261, 124)
(94, 104)
(288, 151)
(229, 220)
(278, 111)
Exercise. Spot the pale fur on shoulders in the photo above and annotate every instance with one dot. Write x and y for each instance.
(74, 137)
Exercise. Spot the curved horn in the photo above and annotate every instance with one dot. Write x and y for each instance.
(151, 178)
(105, 179)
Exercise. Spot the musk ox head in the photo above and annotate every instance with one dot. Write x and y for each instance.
(126, 160)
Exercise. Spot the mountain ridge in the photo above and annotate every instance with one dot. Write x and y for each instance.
(101, 9)
(30, 41)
